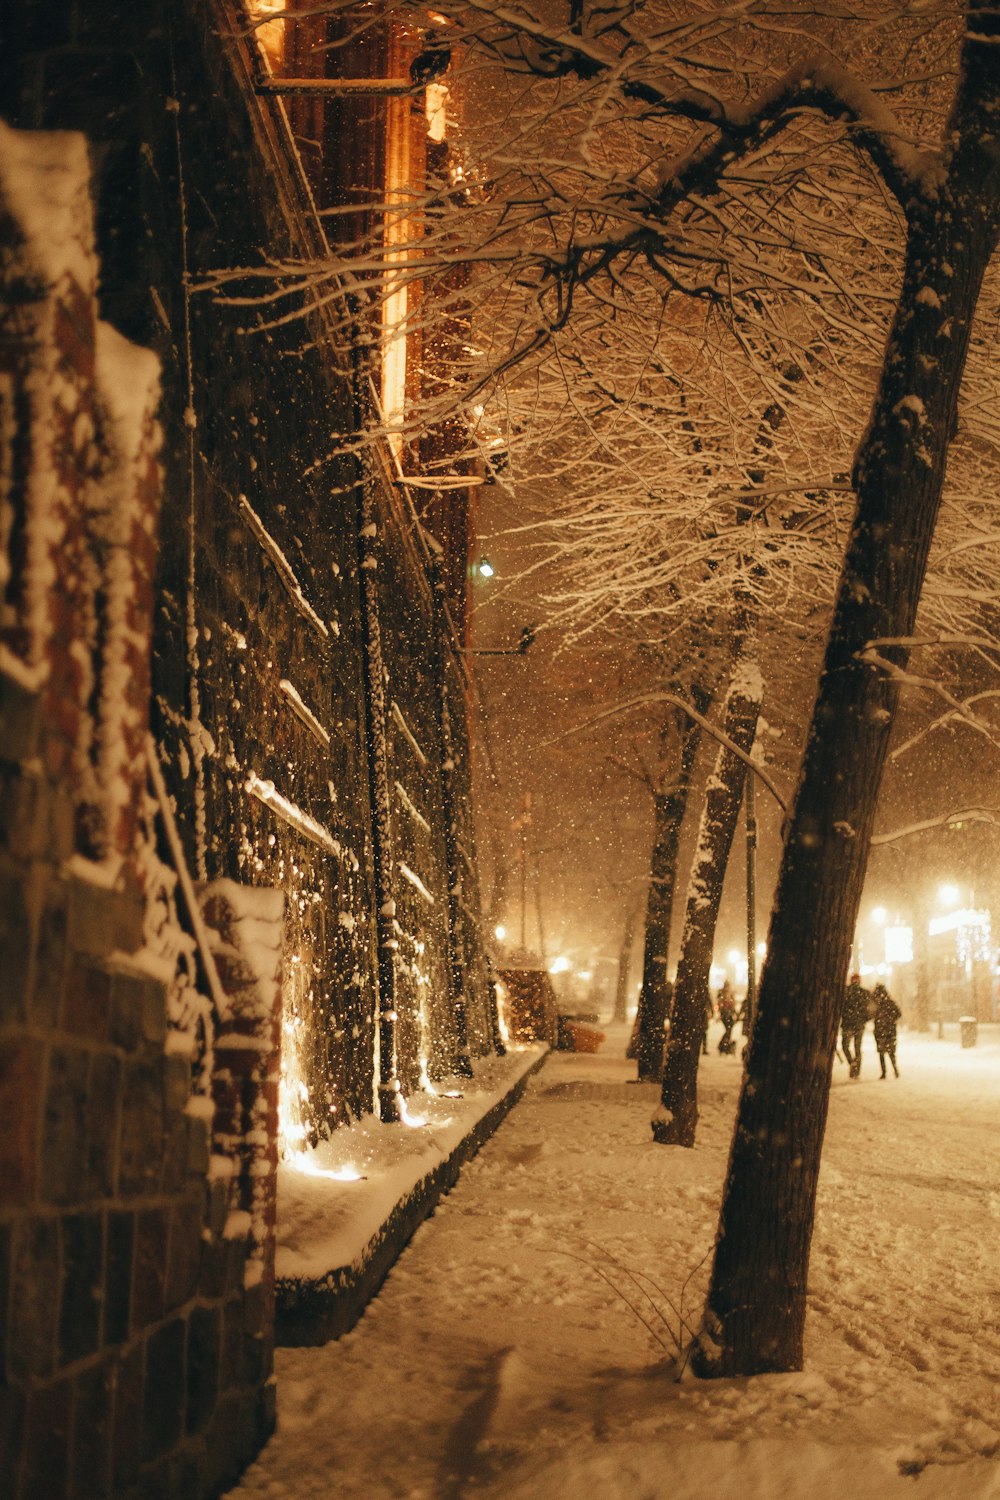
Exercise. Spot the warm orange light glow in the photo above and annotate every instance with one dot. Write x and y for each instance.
(425, 1081)
(394, 366)
(293, 1096)
(271, 36)
(415, 1122)
(501, 1015)
(435, 110)
(294, 1125)
(395, 308)
(304, 1161)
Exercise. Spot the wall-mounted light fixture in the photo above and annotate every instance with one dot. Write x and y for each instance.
(523, 646)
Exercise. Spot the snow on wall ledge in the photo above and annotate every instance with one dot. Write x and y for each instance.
(246, 932)
(45, 201)
(349, 1207)
(122, 515)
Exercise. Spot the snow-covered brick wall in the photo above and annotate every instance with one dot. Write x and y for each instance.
(124, 506)
(47, 282)
(246, 930)
(128, 1280)
(79, 496)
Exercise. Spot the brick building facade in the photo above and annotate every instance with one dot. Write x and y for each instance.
(289, 853)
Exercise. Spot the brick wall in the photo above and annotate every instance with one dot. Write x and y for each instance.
(136, 1234)
(256, 682)
(257, 589)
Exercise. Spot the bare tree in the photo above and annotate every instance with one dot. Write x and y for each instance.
(951, 197)
(637, 164)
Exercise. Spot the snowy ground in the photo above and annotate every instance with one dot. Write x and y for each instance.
(498, 1361)
(333, 1204)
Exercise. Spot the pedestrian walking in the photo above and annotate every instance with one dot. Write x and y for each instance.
(887, 1014)
(853, 1020)
(726, 1007)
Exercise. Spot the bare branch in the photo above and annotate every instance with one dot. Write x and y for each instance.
(711, 729)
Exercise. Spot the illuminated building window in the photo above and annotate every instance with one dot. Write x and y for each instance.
(435, 107)
(271, 35)
(395, 307)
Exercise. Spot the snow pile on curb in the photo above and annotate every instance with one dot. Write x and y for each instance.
(333, 1201)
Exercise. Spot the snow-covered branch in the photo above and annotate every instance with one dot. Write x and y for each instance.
(989, 815)
(645, 700)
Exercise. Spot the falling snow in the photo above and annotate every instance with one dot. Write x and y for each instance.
(502, 1357)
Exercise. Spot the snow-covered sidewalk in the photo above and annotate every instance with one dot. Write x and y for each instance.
(333, 1205)
(502, 1358)
(349, 1207)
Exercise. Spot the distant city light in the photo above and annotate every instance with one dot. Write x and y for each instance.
(499, 932)
(899, 945)
(734, 955)
(972, 933)
(485, 568)
(948, 894)
(584, 974)
(559, 965)
(879, 916)
(761, 949)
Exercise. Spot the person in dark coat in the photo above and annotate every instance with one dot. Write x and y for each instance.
(887, 1013)
(726, 1007)
(853, 1020)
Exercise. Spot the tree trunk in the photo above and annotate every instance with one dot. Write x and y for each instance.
(675, 1122)
(460, 1061)
(755, 1316)
(654, 996)
(624, 962)
(921, 1018)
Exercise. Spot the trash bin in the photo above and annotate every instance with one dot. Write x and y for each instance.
(968, 1026)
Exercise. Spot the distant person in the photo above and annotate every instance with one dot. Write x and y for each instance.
(853, 1020)
(726, 1007)
(887, 1013)
(709, 1013)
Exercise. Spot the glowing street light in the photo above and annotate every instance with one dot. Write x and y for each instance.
(879, 916)
(948, 894)
(486, 568)
(499, 932)
(559, 965)
(899, 945)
